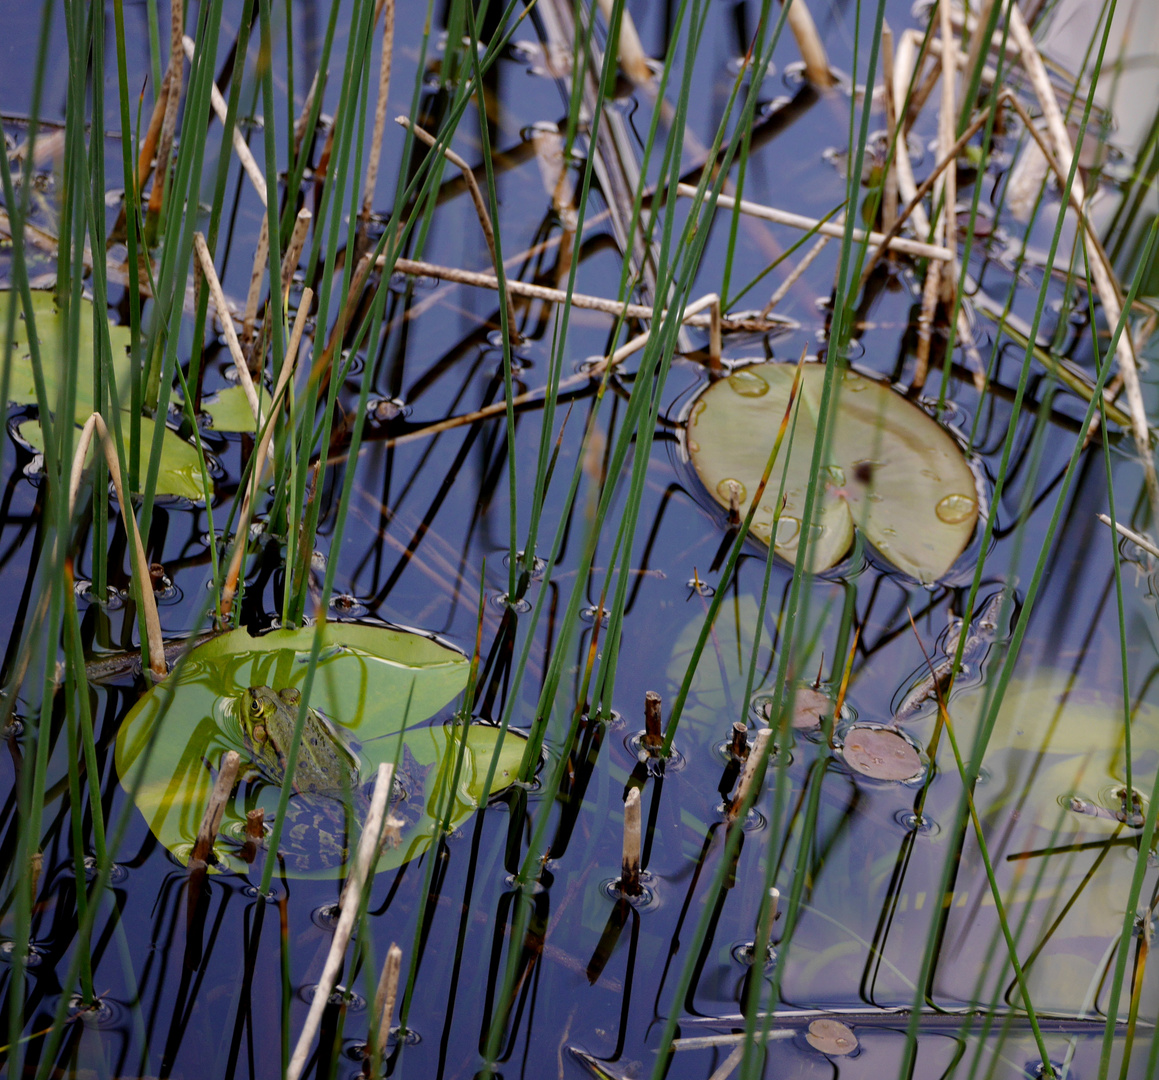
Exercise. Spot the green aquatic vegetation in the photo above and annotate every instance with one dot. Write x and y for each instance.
(229, 409)
(375, 684)
(892, 472)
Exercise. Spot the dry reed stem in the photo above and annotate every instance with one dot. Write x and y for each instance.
(755, 760)
(214, 809)
(241, 536)
(351, 899)
(149, 143)
(736, 1054)
(633, 59)
(172, 101)
(810, 46)
(244, 155)
(904, 67)
(304, 115)
(630, 861)
(257, 272)
(653, 729)
(947, 122)
(480, 207)
(889, 188)
(294, 247)
(978, 38)
(825, 228)
(1137, 539)
(386, 995)
(231, 341)
(387, 8)
(140, 564)
(1104, 285)
(782, 290)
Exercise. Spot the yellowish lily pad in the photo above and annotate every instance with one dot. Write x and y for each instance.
(892, 471)
(229, 409)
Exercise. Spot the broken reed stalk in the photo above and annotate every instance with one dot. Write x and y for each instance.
(596, 371)
(630, 863)
(889, 187)
(1137, 539)
(386, 995)
(255, 831)
(153, 133)
(738, 745)
(825, 228)
(368, 846)
(294, 247)
(633, 59)
(257, 272)
(653, 727)
(752, 763)
(223, 314)
(304, 115)
(809, 43)
(147, 600)
(172, 101)
(214, 809)
(1104, 283)
(386, 7)
(248, 163)
(241, 537)
(477, 198)
(782, 291)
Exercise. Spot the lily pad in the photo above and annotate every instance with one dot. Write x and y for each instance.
(180, 470)
(892, 471)
(229, 409)
(50, 332)
(376, 682)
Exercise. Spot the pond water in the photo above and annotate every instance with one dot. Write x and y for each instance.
(221, 985)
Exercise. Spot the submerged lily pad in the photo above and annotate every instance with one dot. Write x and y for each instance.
(892, 471)
(229, 409)
(376, 682)
(180, 469)
(50, 333)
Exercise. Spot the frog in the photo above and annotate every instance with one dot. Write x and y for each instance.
(328, 806)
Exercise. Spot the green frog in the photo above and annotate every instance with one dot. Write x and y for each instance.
(318, 829)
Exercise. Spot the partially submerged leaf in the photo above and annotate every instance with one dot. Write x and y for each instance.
(229, 409)
(179, 472)
(891, 470)
(881, 753)
(379, 683)
(51, 335)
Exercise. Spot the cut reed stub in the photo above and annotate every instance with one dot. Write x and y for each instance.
(738, 745)
(653, 737)
(755, 760)
(630, 864)
(211, 820)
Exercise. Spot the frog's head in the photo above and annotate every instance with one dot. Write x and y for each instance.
(259, 704)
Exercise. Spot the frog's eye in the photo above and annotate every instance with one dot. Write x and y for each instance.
(255, 706)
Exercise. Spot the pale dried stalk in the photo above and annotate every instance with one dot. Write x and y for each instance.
(978, 42)
(825, 228)
(947, 121)
(140, 563)
(172, 101)
(304, 115)
(248, 163)
(476, 198)
(889, 188)
(387, 8)
(240, 541)
(499, 408)
(630, 861)
(1104, 285)
(754, 761)
(294, 248)
(386, 995)
(819, 245)
(368, 846)
(931, 288)
(261, 257)
(903, 71)
(809, 43)
(1136, 538)
(633, 59)
(231, 341)
(214, 809)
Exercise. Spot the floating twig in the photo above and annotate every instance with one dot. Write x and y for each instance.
(1137, 539)
(351, 901)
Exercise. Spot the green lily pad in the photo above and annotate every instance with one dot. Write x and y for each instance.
(892, 472)
(377, 683)
(50, 331)
(229, 409)
(180, 470)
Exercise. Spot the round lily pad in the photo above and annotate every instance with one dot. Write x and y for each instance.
(179, 472)
(891, 470)
(50, 335)
(375, 684)
(831, 1037)
(229, 409)
(881, 753)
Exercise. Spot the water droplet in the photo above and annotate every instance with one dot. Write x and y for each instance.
(693, 447)
(788, 529)
(854, 382)
(697, 409)
(836, 475)
(748, 383)
(954, 509)
(724, 490)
